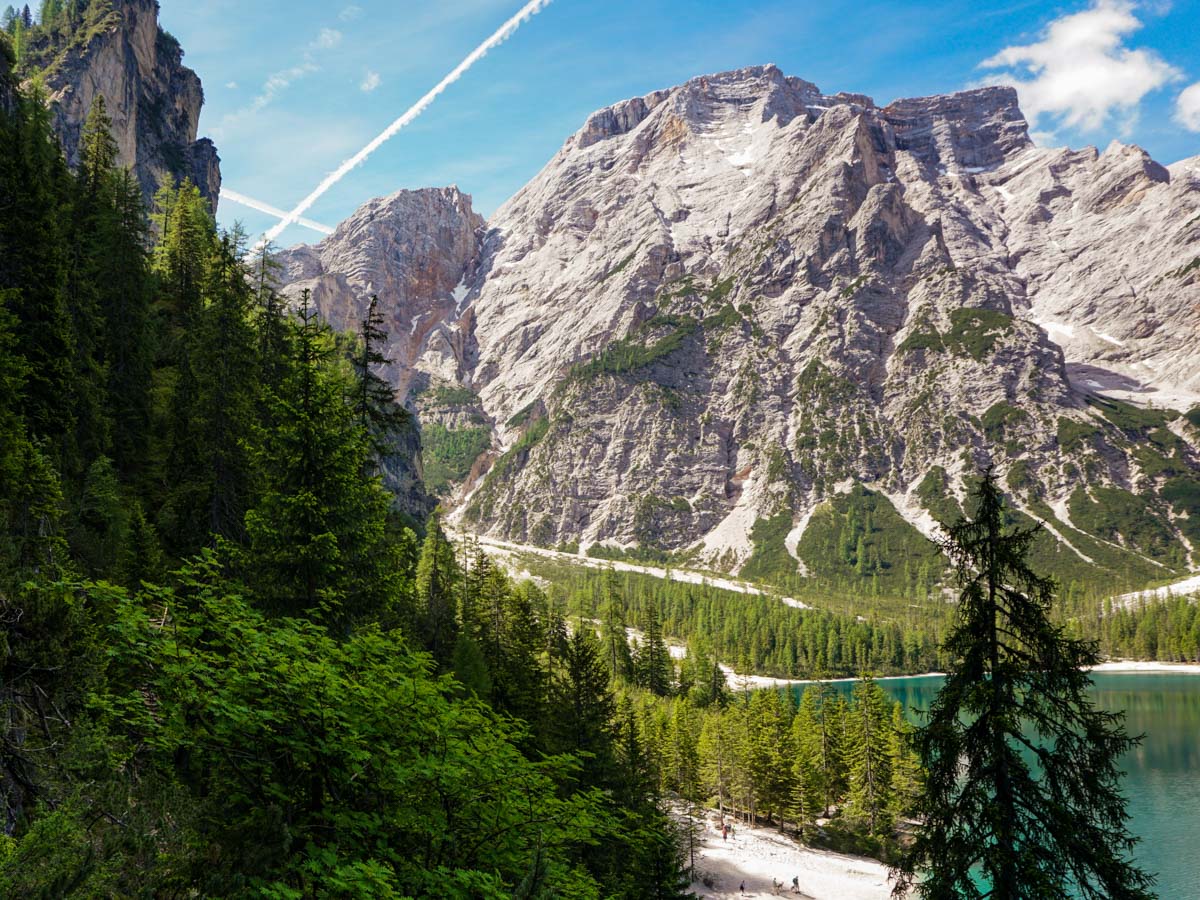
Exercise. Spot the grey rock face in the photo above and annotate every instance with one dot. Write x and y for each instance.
(728, 302)
(416, 250)
(153, 99)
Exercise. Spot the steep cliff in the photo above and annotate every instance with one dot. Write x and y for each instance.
(153, 99)
(415, 250)
(747, 323)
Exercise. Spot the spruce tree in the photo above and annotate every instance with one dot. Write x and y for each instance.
(318, 543)
(374, 399)
(437, 579)
(810, 797)
(613, 634)
(584, 709)
(654, 660)
(867, 757)
(996, 825)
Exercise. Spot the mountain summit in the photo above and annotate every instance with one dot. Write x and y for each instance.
(754, 325)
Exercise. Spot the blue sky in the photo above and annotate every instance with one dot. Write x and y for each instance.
(295, 87)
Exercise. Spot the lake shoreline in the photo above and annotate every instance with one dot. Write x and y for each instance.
(1112, 667)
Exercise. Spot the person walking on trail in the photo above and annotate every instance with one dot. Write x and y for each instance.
(796, 884)
(724, 832)
(742, 889)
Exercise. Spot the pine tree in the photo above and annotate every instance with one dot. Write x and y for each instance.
(437, 577)
(1017, 683)
(374, 399)
(903, 764)
(810, 797)
(97, 148)
(318, 541)
(684, 762)
(716, 756)
(33, 268)
(613, 634)
(654, 660)
(584, 709)
(867, 757)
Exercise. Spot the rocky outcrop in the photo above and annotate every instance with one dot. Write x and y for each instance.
(153, 99)
(416, 250)
(720, 307)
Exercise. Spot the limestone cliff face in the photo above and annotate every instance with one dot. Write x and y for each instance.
(722, 306)
(153, 99)
(415, 250)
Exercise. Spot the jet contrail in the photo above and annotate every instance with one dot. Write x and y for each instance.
(228, 194)
(530, 9)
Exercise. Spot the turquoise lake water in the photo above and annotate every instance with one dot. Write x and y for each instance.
(1162, 776)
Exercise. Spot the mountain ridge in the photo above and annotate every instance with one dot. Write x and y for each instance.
(721, 306)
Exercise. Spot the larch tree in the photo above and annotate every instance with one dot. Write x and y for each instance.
(1022, 795)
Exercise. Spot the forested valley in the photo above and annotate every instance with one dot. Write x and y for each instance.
(232, 666)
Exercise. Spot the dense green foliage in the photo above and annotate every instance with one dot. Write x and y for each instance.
(993, 825)
(764, 758)
(40, 42)
(227, 668)
(448, 453)
(859, 536)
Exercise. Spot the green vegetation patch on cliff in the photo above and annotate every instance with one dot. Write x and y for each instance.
(450, 395)
(1133, 420)
(1117, 515)
(1075, 435)
(860, 535)
(974, 332)
(629, 354)
(448, 454)
(1000, 422)
(935, 495)
(1183, 493)
(770, 560)
(483, 502)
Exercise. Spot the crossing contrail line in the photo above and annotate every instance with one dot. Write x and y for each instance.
(243, 200)
(498, 37)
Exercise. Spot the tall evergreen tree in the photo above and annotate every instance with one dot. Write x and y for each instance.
(33, 267)
(437, 579)
(585, 709)
(613, 634)
(1017, 684)
(375, 406)
(318, 535)
(867, 757)
(654, 660)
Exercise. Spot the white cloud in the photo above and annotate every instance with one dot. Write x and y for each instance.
(232, 85)
(277, 82)
(1187, 108)
(327, 39)
(350, 13)
(1081, 73)
(370, 81)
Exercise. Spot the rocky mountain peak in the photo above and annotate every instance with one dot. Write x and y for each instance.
(417, 250)
(725, 310)
(968, 130)
(153, 99)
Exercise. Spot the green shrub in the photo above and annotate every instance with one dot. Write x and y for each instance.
(449, 453)
(974, 332)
